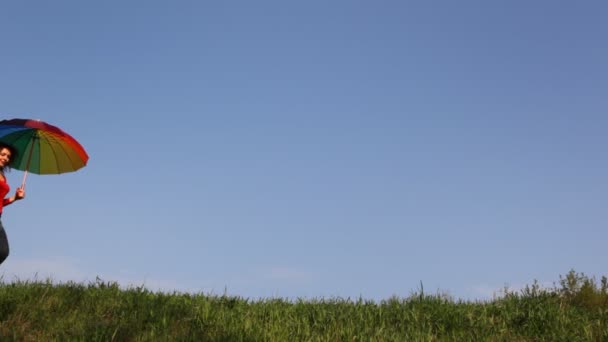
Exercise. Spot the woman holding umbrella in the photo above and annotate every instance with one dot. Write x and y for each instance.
(7, 153)
(38, 147)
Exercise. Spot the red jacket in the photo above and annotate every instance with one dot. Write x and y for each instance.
(4, 190)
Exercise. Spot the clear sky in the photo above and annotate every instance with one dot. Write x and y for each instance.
(312, 148)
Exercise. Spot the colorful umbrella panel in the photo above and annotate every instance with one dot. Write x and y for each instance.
(42, 148)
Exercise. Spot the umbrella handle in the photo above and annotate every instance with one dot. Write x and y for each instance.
(24, 178)
(29, 159)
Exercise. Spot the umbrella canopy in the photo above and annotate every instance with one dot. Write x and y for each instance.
(42, 148)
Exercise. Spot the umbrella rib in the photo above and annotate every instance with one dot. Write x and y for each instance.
(73, 161)
(18, 134)
(52, 137)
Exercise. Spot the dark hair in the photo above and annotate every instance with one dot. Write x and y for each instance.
(13, 154)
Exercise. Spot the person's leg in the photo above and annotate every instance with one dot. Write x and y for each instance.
(3, 244)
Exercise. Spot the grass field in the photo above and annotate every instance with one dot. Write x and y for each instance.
(576, 309)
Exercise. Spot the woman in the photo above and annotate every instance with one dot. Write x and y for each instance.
(6, 154)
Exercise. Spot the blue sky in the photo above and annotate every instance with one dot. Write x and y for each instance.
(312, 148)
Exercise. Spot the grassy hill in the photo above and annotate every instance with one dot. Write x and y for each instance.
(576, 309)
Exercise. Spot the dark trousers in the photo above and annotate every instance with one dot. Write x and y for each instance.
(3, 244)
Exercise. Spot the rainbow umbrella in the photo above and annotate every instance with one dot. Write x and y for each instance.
(42, 148)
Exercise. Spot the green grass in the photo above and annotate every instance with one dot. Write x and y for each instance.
(575, 310)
